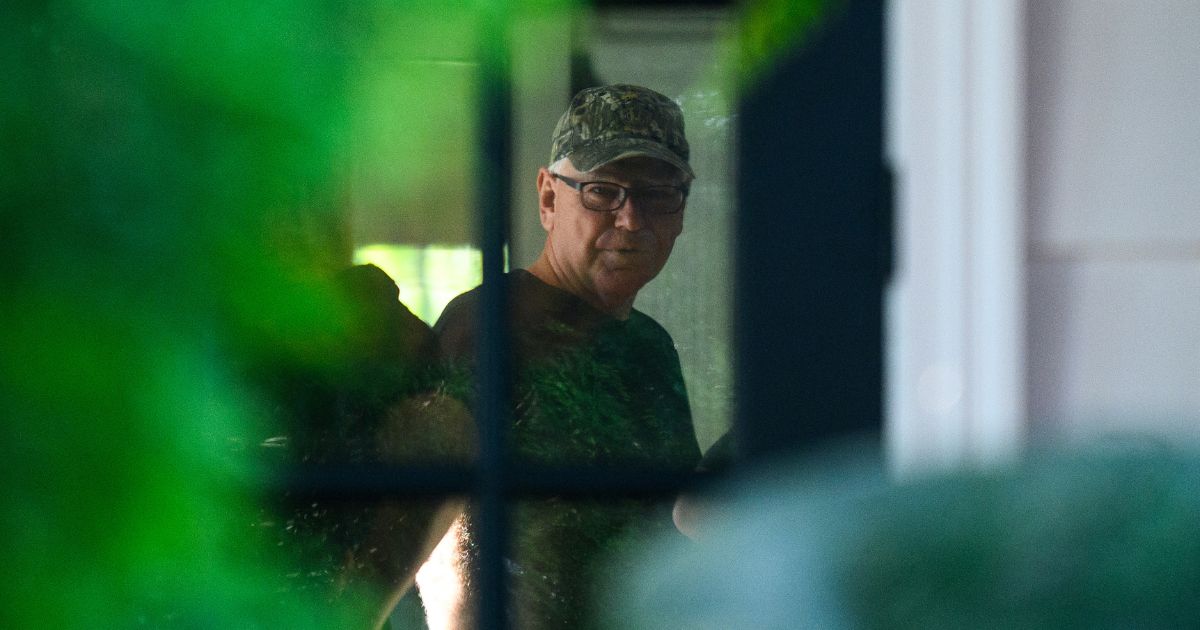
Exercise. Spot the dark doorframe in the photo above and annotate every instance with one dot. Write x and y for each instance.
(813, 241)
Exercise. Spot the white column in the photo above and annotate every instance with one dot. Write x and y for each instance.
(956, 313)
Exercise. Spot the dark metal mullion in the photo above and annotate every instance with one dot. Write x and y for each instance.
(371, 482)
(492, 409)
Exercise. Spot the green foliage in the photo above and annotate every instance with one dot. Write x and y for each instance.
(1102, 537)
(171, 185)
(1090, 541)
(148, 154)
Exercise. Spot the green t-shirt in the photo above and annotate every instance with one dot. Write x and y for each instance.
(590, 390)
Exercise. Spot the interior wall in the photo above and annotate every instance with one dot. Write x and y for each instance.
(541, 91)
(1114, 217)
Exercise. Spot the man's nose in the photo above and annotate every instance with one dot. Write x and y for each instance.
(629, 216)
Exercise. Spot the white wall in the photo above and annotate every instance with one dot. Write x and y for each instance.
(1114, 217)
(1048, 158)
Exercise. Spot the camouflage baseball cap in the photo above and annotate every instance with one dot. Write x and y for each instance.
(619, 121)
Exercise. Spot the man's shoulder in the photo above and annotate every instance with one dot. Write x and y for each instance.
(647, 327)
(455, 327)
(527, 296)
(459, 311)
(464, 308)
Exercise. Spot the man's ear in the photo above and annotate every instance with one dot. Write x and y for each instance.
(545, 184)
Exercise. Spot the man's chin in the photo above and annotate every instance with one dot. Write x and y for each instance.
(622, 283)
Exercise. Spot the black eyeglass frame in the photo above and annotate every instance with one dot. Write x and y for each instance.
(624, 194)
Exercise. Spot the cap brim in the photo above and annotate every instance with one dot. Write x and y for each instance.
(589, 158)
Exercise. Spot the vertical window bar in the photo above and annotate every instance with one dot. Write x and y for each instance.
(492, 408)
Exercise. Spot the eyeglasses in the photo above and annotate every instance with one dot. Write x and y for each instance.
(609, 197)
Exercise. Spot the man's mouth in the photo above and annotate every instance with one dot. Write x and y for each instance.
(625, 259)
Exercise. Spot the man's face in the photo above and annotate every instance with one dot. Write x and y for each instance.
(607, 257)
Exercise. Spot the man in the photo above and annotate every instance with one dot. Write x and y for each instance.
(598, 382)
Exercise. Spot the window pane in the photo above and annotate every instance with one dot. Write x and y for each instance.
(637, 390)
